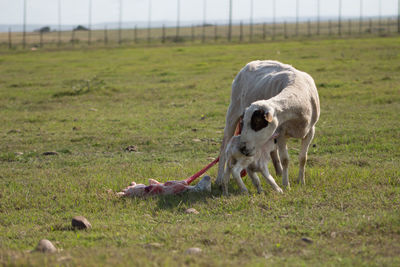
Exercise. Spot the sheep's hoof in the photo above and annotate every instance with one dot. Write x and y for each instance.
(244, 192)
(279, 190)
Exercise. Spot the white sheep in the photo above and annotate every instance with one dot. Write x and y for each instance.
(236, 161)
(276, 98)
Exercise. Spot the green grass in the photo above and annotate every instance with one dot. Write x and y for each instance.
(88, 105)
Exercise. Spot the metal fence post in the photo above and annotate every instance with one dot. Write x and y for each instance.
(9, 38)
(193, 34)
(135, 34)
(264, 30)
(24, 27)
(163, 34)
(241, 32)
(41, 39)
(105, 36)
(285, 34)
(216, 32)
(230, 21)
(340, 18)
(73, 37)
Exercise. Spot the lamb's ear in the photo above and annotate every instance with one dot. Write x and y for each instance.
(268, 117)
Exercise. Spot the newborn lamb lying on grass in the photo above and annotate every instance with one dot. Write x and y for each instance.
(236, 161)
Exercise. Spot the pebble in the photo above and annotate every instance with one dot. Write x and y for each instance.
(50, 153)
(153, 245)
(191, 211)
(80, 222)
(45, 246)
(131, 148)
(307, 240)
(193, 251)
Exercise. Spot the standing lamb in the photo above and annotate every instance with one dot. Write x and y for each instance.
(236, 162)
(276, 98)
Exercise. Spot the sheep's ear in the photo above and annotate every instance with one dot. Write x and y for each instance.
(258, 120)
(268, 117)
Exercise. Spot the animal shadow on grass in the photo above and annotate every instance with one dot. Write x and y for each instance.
(188, 198)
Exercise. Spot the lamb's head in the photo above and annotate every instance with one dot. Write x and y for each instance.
(259, 125)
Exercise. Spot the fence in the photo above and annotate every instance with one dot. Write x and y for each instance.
(205, 32)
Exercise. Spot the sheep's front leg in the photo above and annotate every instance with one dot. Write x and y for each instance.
(255, 180)
(236, 174)
(270, 179)
(305, 144)
(284, 155)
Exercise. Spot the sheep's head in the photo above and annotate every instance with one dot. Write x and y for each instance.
(259, 125)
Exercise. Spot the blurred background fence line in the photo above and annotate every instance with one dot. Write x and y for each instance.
(203, 30)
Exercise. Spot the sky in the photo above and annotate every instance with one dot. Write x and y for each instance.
(74, 12)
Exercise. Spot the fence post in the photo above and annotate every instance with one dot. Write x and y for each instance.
(297, 17)
(349, 26)
(264, 31)
(59, 38)
(9, 39)
(230, 21)
(215, 32)
(163, 34)
(89, 36)
(398, 16)
(241, 32)
(340, 18)
(370, 25)
(148, 35)
(41, 39)
(193, 34)
(73, 37)
(105, 36)
(285, 30)
(330, 27)
(309, 28)
(135, 34)
(203, 37)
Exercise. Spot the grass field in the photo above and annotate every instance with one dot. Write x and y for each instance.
(88, 105)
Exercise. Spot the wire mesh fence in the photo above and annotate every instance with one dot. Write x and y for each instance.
(205, 32)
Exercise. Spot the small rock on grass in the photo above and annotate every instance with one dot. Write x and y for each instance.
(193, 251)
(45, 246)
(80, 222)
(50, 153)
(191, 211)
(307, 240)
(153, 245)
(131, 148)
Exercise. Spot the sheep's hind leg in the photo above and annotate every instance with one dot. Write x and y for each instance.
(284, 155)
(277, 162)
(305, 144)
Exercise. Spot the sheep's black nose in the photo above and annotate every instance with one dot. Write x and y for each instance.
(244, 150)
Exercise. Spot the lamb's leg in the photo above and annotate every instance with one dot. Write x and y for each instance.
(225, 182)
(255, 180)
(270, 179)
(305, 144)
(284, 155)
(231, 124)
(277, 162)
(236, 174)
